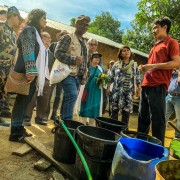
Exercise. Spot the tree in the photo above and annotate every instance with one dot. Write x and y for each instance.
(149, 10)
(138, 38)
(72, 21)
(105, 25)
(152, 9)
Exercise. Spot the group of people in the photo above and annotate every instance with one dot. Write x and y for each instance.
(35, 56)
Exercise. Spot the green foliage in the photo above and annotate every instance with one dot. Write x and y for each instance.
(140, 37)
(72, 21)
(102, 79)
(105, 25)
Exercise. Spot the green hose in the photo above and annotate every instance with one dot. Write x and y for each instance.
(78, 150)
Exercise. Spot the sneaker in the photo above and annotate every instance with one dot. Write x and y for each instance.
(4, 123)
(19, 139)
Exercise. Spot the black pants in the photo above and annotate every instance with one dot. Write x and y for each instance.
(152, 110)
(41, 102)
(125, 115)
(104, 101)
(57, 99)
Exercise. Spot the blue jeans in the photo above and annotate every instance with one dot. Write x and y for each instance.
(173, 104)
(19, 109)
(70, 86)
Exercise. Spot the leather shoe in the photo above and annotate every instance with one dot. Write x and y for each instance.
(40, 121)
(19, 139)
(27, 122)
(26, 134)
(6, 114)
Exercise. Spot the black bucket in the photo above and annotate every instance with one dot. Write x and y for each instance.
(98, 146)
(99, 169)
(111, 124)
(64, 150)
(142, 136)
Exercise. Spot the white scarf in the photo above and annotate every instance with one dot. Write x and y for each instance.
(41, 64)
(101, 103)
(100, 68)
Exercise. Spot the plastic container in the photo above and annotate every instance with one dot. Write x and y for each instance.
(168, 170)
(64, 150)
(111, 124)
(175, 149)
(98, 146)
(136, 159)
(138, 135)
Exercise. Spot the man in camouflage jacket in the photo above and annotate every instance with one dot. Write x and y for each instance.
(7, 54)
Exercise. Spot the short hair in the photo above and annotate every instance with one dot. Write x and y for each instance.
(92, 41)
(3, 12)
(164, 21)
(44, 33)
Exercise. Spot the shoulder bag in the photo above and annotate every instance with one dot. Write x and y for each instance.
(17, 83)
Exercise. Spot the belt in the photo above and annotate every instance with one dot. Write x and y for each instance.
(174, 94)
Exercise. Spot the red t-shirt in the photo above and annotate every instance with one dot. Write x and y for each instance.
(161, 53)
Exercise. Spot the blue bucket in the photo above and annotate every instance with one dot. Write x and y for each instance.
(136, 159)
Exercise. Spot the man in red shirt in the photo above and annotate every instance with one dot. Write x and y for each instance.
(163, 58)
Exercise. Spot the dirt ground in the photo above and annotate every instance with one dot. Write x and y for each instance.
(22, 168)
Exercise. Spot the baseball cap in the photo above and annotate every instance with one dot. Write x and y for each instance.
(83, 17)
(13, 11)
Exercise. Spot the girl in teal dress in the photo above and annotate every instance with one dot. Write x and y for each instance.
(92, 107)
